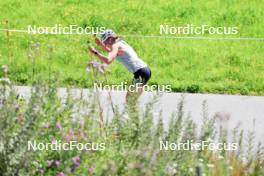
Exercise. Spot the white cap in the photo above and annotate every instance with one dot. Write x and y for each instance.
(106, 34)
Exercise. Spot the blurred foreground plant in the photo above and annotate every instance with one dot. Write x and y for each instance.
(132, 139)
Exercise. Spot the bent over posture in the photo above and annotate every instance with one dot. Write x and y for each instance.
(125, 54)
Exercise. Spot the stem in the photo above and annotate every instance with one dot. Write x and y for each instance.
(110, 97)
(8, 41)
(102, 127)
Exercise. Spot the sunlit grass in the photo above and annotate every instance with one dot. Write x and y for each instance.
(234, 67)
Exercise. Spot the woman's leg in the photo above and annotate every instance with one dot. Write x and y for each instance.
(141, 77)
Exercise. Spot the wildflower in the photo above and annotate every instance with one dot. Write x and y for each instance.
(57, 163)
(82, 122)
(58, 125)
(41, 171)
(76, 161)
(94, 64)
(99, 67)
(53, 141)
(46, 125)
(60, 174)
(70, 134)
(50, 162)
(90, 170)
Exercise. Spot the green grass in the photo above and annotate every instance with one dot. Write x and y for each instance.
(234, 67)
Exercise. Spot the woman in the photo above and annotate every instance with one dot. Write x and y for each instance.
(125, 54)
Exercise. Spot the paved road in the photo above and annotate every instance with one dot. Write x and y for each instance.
(230, 109)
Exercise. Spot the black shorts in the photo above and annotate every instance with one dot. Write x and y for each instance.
(142, 75)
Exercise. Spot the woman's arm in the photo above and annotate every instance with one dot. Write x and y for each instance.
(99, 43)
(111, 55)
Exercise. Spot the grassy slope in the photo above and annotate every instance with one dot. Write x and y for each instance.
(194, 65)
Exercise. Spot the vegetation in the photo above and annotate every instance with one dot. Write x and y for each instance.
(131, 142)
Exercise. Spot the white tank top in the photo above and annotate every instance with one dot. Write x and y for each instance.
(130, 59)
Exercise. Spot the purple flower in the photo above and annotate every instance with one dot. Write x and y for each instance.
(90, 170)
(70, 134)
(58, 125)
(49, 163)
(57, 163)
(53, 141)
(100, 67)
(41, 171)
(60, 174)
(76, 160)
(82, 122)
(46, 125)
(94, 64)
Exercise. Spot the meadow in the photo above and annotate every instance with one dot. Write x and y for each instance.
(211, 66)
(132, 139)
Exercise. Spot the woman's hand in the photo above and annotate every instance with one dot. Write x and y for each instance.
(93, 50)
(98, 42)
